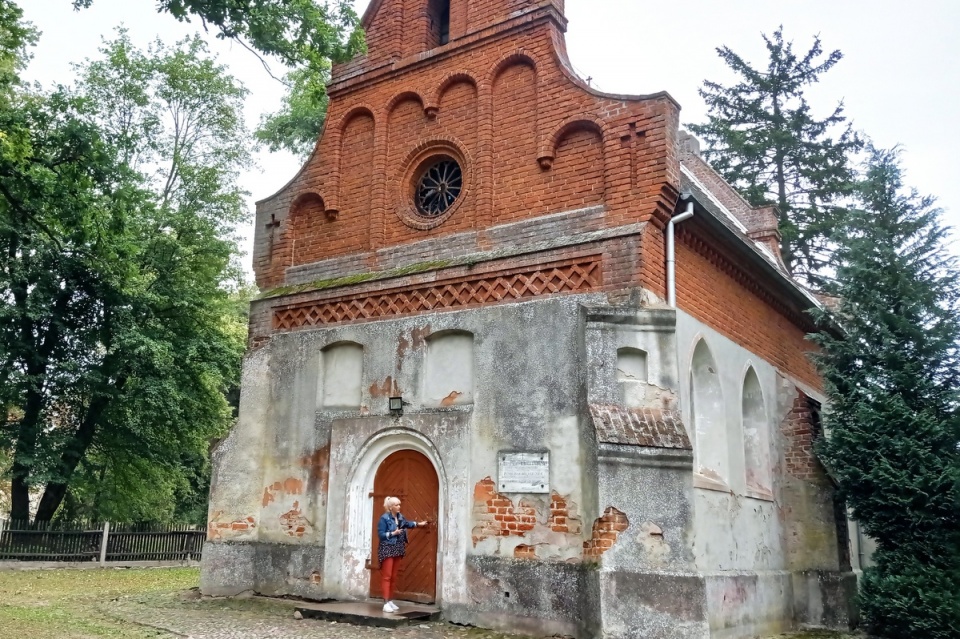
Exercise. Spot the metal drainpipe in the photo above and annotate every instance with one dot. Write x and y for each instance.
(671, 257)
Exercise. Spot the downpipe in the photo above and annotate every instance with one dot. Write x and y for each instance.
(671, 254)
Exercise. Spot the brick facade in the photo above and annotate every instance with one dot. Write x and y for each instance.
(533, 141)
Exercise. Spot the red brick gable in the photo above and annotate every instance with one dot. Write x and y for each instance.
(501, 100)
(399, 28)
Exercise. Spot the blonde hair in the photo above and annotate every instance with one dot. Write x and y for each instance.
(390, 501)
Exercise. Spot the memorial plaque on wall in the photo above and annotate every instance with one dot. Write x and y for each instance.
(523, 472)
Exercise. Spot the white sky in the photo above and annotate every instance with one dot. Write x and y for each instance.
(899, 79)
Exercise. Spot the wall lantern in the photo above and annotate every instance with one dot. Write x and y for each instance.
(396, 406)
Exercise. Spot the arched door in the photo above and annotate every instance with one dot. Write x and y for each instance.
(409, 476)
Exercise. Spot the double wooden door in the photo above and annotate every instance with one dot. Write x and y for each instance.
(409, 476)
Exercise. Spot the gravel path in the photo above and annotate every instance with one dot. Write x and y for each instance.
(207, 620)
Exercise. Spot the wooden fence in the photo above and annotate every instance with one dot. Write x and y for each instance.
(106, 542)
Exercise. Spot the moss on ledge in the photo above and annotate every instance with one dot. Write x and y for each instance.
(357, 278)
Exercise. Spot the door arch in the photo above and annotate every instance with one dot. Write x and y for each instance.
(410, 476)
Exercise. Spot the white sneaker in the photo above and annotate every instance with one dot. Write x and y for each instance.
(387, 607)
(394, 607)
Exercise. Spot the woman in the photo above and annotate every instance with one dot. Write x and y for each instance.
(391, 529)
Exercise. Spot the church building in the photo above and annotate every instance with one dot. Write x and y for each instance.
(532, 312)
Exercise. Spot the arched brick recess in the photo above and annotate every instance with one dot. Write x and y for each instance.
(308, 220)
(515, 192)
(576, 177)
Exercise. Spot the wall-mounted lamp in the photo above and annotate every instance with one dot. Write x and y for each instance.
(396, 406)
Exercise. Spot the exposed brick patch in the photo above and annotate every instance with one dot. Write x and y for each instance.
(606, 530)
(801, 428)
(653, 427)
(219, 529)
(563, 515)
(523, 551)
(318, 466)
(289, 486)
(293, 521)
(496, 514)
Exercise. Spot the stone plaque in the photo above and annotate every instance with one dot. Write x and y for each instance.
(523, 472)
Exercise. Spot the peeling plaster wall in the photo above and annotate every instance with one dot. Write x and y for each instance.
(754, 546)
(527, 393)
(647, 586)
(733, 530)
(235, 483)
(290, 497)
(623, 525)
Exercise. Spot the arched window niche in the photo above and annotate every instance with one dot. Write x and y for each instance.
(756, 440)
(439, 27)
(448, 372)
(707, 412)
(632, 376)
(341, 376)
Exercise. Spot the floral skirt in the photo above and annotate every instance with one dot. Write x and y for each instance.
(393, 550)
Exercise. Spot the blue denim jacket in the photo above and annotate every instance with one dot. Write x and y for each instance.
(388, 525)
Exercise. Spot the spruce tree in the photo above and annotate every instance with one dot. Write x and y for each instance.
(890, 364)
(762, 136)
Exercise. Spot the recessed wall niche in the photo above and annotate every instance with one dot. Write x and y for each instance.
(632, 376)
(448, 371)
(341, 375)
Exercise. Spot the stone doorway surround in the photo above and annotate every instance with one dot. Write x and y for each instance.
(358, 447)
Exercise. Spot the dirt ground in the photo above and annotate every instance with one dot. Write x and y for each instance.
(163, 602)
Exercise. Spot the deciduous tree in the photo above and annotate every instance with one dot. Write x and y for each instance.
(296, 31)
(118, 334)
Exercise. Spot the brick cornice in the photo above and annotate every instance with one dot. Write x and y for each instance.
(725, 265)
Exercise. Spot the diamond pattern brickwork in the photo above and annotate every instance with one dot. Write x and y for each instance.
(574, 276)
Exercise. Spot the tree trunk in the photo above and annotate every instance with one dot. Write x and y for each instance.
(72, 453)
(24, 450)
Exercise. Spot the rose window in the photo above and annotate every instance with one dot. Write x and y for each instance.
(438, 188)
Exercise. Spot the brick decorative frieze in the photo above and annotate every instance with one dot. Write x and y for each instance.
(572, 276)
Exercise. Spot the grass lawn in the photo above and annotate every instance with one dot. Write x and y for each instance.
(67, 604)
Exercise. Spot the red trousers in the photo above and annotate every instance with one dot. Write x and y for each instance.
(389, 568)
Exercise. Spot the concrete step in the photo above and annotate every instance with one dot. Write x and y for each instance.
(369, 613)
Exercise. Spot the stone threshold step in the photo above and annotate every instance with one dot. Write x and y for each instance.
(369, 613)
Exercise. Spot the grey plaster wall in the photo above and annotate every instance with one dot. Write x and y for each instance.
(290, 512)
(538, 598)
(290, 462)
(734, 530)
(232, 568)
(751, 548)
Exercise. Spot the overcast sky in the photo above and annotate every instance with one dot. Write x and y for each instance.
(899, 79)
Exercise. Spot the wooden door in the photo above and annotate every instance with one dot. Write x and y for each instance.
(409, 476)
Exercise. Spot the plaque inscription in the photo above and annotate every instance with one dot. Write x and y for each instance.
(523, 472)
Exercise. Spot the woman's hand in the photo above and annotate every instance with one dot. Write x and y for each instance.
(420, 524)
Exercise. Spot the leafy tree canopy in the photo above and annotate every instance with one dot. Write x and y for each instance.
(119, 336)
(16, 37)
(297, 125)
(893, 378)
(763, 137)
(296, 31)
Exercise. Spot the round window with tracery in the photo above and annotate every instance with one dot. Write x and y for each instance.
(439, 187)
